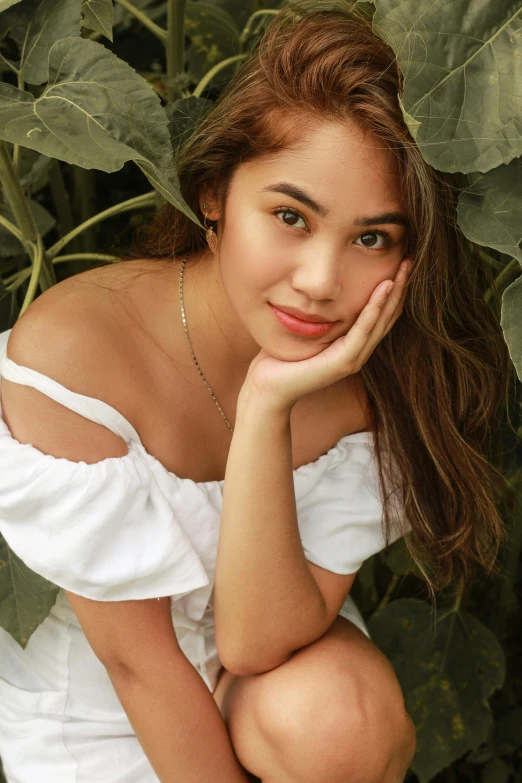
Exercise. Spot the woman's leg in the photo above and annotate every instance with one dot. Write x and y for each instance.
(333, 713)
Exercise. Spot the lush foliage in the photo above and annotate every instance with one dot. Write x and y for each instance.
(73, 107)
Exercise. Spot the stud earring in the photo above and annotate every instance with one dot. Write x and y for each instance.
(211, 236)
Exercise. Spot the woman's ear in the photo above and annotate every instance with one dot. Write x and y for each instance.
(208, 203)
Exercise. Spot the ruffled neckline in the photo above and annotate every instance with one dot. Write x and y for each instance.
(334, 455)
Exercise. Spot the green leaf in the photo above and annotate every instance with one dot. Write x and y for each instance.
(98, 15)
(495, 771)
(36, 26)
(490, 211)
(183, 117)
(411, 122)
(364, 590)
(34, 170)
(366, 7)
(397, 558)
(213, 34)
(512, 323)
(26, 598)
(96, 112)
(447, 671)
(239, 10)
(509, 731)
(481, 755)
(5, 4)
(462, 66)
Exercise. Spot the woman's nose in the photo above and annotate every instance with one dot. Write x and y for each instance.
(318, 277)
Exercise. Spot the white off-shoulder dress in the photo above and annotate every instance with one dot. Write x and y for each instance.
(126, 528)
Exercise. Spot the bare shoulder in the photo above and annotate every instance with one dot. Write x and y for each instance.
(72, 333)
(63, 330)
(85, 316)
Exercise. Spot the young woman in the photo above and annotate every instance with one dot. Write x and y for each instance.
(197, 449)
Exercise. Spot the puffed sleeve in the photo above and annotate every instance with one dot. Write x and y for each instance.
(107, 530)
(339, 507)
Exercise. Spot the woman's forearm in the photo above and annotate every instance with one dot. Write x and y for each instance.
(266, 601)
(178, 723)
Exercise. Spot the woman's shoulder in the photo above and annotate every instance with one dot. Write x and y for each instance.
(78, 329)
(115, 308)
(90, 334)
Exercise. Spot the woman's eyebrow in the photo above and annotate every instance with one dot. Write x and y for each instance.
(295, 192)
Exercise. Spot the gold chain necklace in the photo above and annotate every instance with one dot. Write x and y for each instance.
(190, 346)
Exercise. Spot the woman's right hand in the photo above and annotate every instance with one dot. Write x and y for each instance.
(282, 383)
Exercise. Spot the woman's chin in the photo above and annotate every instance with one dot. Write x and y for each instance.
(298, 352)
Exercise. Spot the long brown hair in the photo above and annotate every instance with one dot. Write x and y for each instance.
(436, 382)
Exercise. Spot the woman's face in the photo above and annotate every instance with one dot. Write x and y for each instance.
(322, 250)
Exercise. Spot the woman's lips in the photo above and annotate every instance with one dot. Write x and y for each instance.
(297, 326)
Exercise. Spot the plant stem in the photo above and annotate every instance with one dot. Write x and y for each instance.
(138, 202)
(15, 280)
(84, 206)
(12, 229)
(39, 258)
(175, 45)
(61, 199)
(16, 147)
(16, 197)
(87, 256)
(155, 29)
(248, 27)
(394, 581)
(213, 71)
(500, 278)
(31, 239)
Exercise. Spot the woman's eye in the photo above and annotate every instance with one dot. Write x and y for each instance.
(369, 239)
(371, 244)
(289, 212)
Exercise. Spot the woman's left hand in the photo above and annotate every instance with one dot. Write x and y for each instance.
(282, 383)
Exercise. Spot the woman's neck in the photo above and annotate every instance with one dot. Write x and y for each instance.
(219, 340)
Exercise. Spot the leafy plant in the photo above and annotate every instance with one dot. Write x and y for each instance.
(67, 98)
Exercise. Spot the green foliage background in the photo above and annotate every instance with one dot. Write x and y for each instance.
(64, 184)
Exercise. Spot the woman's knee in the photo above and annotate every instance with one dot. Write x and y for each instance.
(329, 719)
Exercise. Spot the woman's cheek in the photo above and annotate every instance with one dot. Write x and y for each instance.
(262, 267)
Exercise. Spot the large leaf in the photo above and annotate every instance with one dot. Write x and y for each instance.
(26, 598)
(213, 34)
(364, 590)
(34, 170)
(5, 4)
(240, 10)
(36, 25)
(495, 771)
(508, 733)
(96, 112)
(98, 15)
(490, 210)
(462, 69)
(511, 322)
(398, 558)
(184, 116)
(446, 672)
